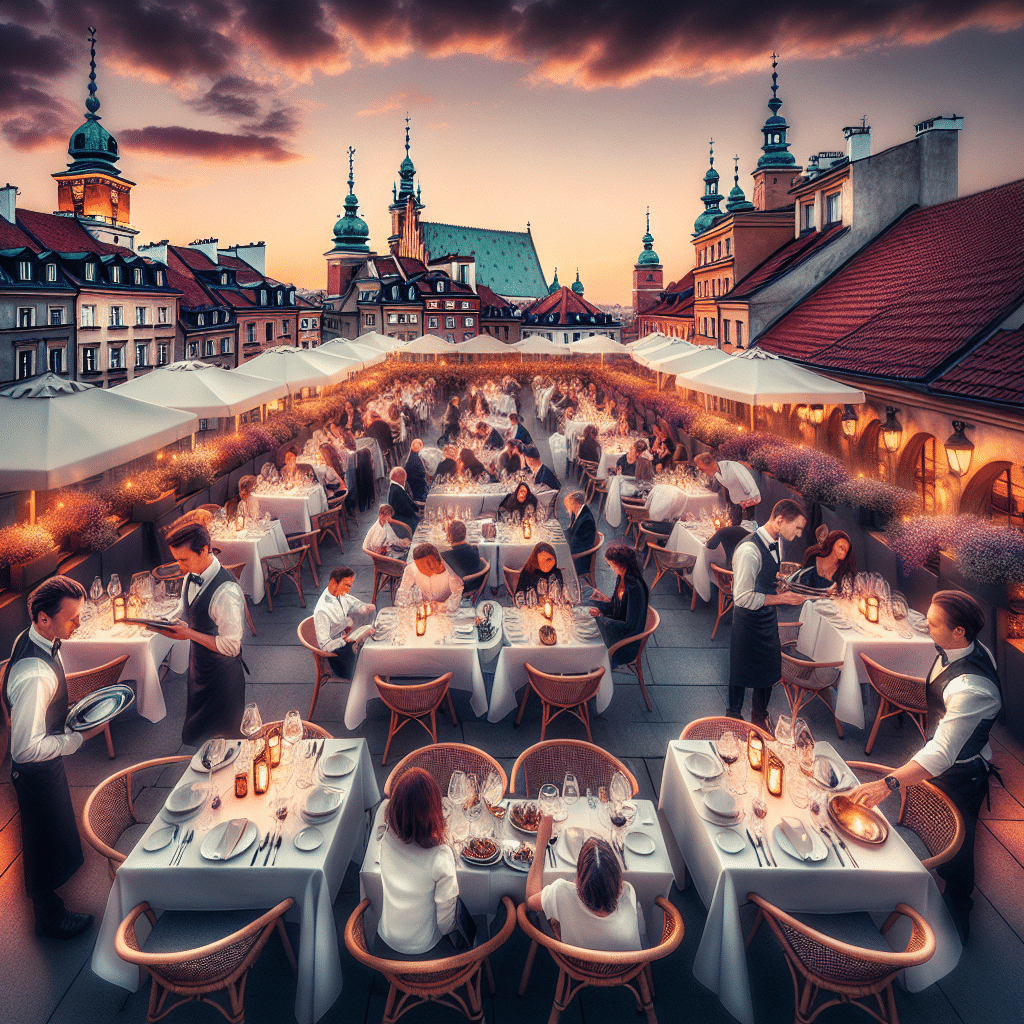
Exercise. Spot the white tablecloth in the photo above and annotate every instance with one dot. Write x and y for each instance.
(821, 640)
(295, 509)
(691, 542)
(235, 548)
(482, 502)
(667, 502)
(559, 455)
(481, 889)
(311, 879)
(541, 399)
(619, 487)
(887, 875)
(145, 656)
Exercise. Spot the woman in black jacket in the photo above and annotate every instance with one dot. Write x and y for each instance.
(541, 565)
(625, 612)
(521, 501)
(589, 450)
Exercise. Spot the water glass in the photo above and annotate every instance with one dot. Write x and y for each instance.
(291, 733)
(797, 789)
(457, 788)
(570, 789)
(547, 800)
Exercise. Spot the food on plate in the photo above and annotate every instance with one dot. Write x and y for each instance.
(523, 853)
(480, 848)
(496, 810)
(526, 816)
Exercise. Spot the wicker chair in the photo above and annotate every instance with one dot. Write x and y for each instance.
(473, 585)
(789, 633)
(195, 974)
(310, 731)
(679, 564)
(413, 702)
(328, 526)
(511, 580)
(441, 759)
(81, 684)
(581, 968)
(821, 965)
(338, 501)
(712, 728)
(549, 760)
(321, 658)
(453, 981)
(312, 541)
(649, 538)
(634, 511)
(896, 693)
(387, 572)
(236, 570)
(5, 740)
(925, 810)
(804, 681)
(636, 666)
(723, 581)
(110, 808)
(588, 576)
(287, 565)
(561, 694)
(594, 486)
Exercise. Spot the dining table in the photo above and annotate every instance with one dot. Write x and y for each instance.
(311, 877)
(885, 875)
(833, 630)
(669, 500)
(690, 538)
(292, 507)
(476, 500)
(249, 546)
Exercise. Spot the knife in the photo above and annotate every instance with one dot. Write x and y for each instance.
(269, 851)
(839, 839)
(767, 853)
(184, 843)
(716, 755)
(826, 834)
(259, 849)
(174, 839)
(319, 754)
(277, 846)
(754, 845)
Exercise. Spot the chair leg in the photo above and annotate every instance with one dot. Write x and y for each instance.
(528, 967)
(522, 703)
(110, 741)
(391, 735)
(266, 588)
(883, 705)
(646, 998)
(376, 584)
(248, 616)
(451, 710)
(316, 689)
(639, 670)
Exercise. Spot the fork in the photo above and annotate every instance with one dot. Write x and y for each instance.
(189, 835)
(839, 839)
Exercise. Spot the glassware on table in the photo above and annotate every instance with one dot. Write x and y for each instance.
(291, 733)
(213, 754)
(728, 747)
(547, 799)
(784, 732)
(96, 590)
(798, 789)
(803, 741)
(304, 754)
(473, 807)
(570, 789)
(619, 788)
(457, 788)
(251, 725)
(114, 586)
(493, 789)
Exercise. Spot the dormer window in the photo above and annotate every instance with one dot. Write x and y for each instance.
(291, 296)
(90, 271)
(115, 275)
(51, 271)
(440, 286)
(224, 278)
(263, 296)
(279, 298)
(24, 270)
(159, 279)
(137, 275)
(411, 294)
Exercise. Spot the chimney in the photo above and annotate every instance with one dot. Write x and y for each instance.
(155, 250)
(858, 141)
(207, 246)
(255, 254)
(9, 202)
(949, 123)
(938, 140)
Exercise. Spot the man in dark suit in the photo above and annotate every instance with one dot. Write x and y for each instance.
(451, 419)
(401, 501)
(448, 466)
(380, 432)
(581, 533)
(510, 461)
(416, 472)
(542, 476)
(493, 441)
(463, 558)
(517, 432)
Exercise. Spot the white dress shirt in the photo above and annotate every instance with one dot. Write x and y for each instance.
(333, 618)
(746, 564)
(739, 482)
(968, 699)
(382, 540)
(445, 586)
(227, 609)
(30, 688)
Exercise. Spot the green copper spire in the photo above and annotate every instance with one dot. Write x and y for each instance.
(351, 232)
(407, 174)
(92, 147)
(554, 284)
(776, 148)
(711, 199)
(648, 257)
(737, 202)
(577, 285)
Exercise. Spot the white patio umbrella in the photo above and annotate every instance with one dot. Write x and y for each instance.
(599, 344)
(696, 357)
(369, 354)
(381, 341)
(669, 348)
(648, 341)
(203, 389)
(58, 432)
(430, 344)
(483, 345)
(298, 367)
(538, 346)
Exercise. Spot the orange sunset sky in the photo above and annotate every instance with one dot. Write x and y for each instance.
(233, 116)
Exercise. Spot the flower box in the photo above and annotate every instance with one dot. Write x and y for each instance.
(951, 577)
(25, 575)
(151, 511)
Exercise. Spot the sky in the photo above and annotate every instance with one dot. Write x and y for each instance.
(234, 116)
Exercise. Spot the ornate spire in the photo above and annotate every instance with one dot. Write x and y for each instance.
(737, 202)
(351, 232)
(91, 146)
(407, 173)
(92, 102)
(555, 286)
(711, 199)
(648, 257)
(776, 148)
(577, 285)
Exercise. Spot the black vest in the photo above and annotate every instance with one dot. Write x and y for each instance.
(977, 663)
(766, 581)
(57, 710)
(198, 611)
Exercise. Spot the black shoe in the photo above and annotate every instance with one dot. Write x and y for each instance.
(65, 927)
(738, 715)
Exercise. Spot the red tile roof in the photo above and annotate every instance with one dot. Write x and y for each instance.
(491, 298)
(64, 234)
(194, 258)
(564, 302)
(677, 301)
(783, 260)
(193, 294)
(12, 237)
(244, 272)
(990, 373)
(918, 295)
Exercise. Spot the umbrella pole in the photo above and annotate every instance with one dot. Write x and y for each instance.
(32, 507)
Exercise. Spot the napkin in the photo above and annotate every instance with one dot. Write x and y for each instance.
(796, 832)
(233, 831)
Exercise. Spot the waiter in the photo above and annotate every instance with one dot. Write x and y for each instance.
(964, 683)
(735, 479)
(334, 616)
(35, 694)
(213, 606)
(755, 652)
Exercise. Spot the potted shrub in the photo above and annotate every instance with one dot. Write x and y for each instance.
(879, 503)
(28, 553)
(71, 515)
(151, 495)
(193, 470)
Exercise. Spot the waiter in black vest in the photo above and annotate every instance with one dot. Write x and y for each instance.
(964, 683)
(35, 694)
(755, 651)
(213, 606)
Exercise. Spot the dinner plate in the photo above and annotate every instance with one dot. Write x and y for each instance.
(159, 839)
(730, 842)
(485, 862)
(819, 851)
(721, 802)
(208, 847)
(337, 765)
(322, 802)
(186, 799)
(230, 754)
(506, 854)
(856, 821)
(703, 766)
(514, 819)
(639, 842)
(99, 707)
(310, 838)
(717, 819)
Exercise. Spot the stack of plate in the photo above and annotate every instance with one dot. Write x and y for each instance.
(720, 808)
(322, 803)
(185, 801)
(336, 766)
(465, 632)
(99, 707)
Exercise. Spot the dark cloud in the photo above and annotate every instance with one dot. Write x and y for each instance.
(231, 96)
(195, 143)
(26, 12)
(34, 131)
(296, 31)
(279, 121)
(33, 115)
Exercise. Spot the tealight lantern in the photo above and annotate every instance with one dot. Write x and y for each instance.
(871, 610)
(274, 747)
(119, 606)
(527, 529)
(775, 774)
(260, 774)
(239, 523)
(421, 621)
(548, 610)
(755, 751)
(862, 606)
(241, 784)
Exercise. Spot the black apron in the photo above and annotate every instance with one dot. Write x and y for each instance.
(49, 831)
(755, 651)
(216, 682)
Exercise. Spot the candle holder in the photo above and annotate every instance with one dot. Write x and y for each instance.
(871, 609)
(260, 774)
(775, 773)
(274, 748)
(421, 621)
(755, 751)
(548, 611)
(241, 784)
(527, 529)
(119, 607)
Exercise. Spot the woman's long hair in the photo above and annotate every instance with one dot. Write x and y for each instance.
(598, 877)
(414, 813)
(532, 565)
(846, 567)
(624, 555)
(470, 463)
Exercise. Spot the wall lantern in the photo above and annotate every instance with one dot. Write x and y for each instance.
(849, 422)
(817, 415)
(892, 430)
(959, 450)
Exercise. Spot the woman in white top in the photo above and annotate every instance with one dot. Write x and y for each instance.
(597, 911)
(248, 503)
(436, 581)
(417, 871)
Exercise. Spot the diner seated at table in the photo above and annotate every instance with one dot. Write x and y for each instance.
(663, 448)
(462, 557)
(589, 449)
(479, 405)
(634, 463)
(729, 536)
(581, 533)
(400, 500)
(624, 614)
(449, 465)
(516, 430)
(382, 539)
(451, 423)
(290, 472)
(435, 580)
(334, 470)
(394, 421)
(350, 418)
(472, 468)
(493, 441)
(598, 909)
(542, 475)
(510, 460)
(379, 430)
(541, 565)
(248, 504)
(336, 613)
(417, 870)
(595, 394)
(520, 501)
(827, 564)
(416, 472)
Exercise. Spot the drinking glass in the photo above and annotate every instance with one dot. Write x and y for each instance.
(114, 586)
(570, 789)
(547, 799)
(251, 725)
(493, 789)
(474, 805)
(784, 730)
(291, 733)
(457, 788)
(803, 740)
(619, 790)
(96, 590)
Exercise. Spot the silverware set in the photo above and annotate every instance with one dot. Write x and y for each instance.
(180, 849)
(833, 838)
(760, 845)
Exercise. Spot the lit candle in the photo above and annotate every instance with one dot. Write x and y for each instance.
(119, 608)
(260, 774)
(527, 530)
(549, 611)
(274, 748)
(871, 611)
(755, 751)
(775, 774)
(421, 622)
(862, 606)
(241, 784)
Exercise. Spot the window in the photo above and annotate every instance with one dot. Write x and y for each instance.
(369, 319)
(137, 276)
(449, 323)
(159, 279)
(224, 277)
(90, 360)
(431, 323)
(441, 285)
(209, 347)
(269, 330)
(1006, 498)
(286, 326)
(56, 360)
(924, 476)
(214, 317)
(463, 273)
(24, 270)
(90, 271)
(26, 357)
(449, 304)
(116, 357)
(278, 298)
(713, 324)
(142, 355)
(414, 318)
(117, 316)
(26, 316)
(739, 334)
(225, 346)
(140, 316)
(263, 296)
(719, 256)
(467, 321)
(432, 304)
(728, 246)
(725, 284)
(304, 324)
(576, 337)
(725, 331)
(193, 350)
(201, 320)
(205, 424)
(115, 274)
(56, 315)
(833, 208)
(465, 305)
(161, 314)
(450, 338)
(163, 350)
(88, 316)
(806, 216)
(51, 271)
(250, 334)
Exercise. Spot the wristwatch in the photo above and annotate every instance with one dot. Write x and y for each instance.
(892, 782)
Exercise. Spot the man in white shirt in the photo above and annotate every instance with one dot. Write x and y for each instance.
(735, 479)
(382, 539)
(436, 581)
(334, 616)
(35, 694)
(957, 757)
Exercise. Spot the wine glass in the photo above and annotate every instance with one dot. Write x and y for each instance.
(96, 590)
(457, 788)
(570, 789)
(474, 806)
(291, 733)
(114, 587)
(493, 789)
(547, 799)
(784, 730)
(803, 741)
(619, 789)
(251, 724)
(213, 754)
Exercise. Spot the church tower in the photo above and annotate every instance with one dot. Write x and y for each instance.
(406, 231)
(350, 239)
(712, 198)
(92, 188)
(647, 274)
(776, 168)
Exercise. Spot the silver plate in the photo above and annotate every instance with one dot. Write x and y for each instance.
(99, 707)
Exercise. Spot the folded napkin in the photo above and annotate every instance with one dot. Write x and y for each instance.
(233, 831)
(796, 832)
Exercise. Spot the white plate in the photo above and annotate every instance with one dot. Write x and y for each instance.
(818, 852)
(337, 765)
(186, 798)
(310, 838)
(717, 819)
(730, 842)
(99, 707)
(100, 710)
(721, 802)
(703, 766)
(208, 847)
(639, 842)
(840, 624)
(322, 802)
(516, 865)
(159, 839)
(570, 842)
(230, 753)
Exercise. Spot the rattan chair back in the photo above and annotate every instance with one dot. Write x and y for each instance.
(387, 571)
(473, 585)
(310, 731)
(441, 759)
(286, 565)
(636, 666)
(561, 694)
(413, 702)
(723, 581)
(896, 693)
(511, 580)
(548, 761)
(711, 728)
(328, 526)
(587, 576)
(306, 631)
(804, 681)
